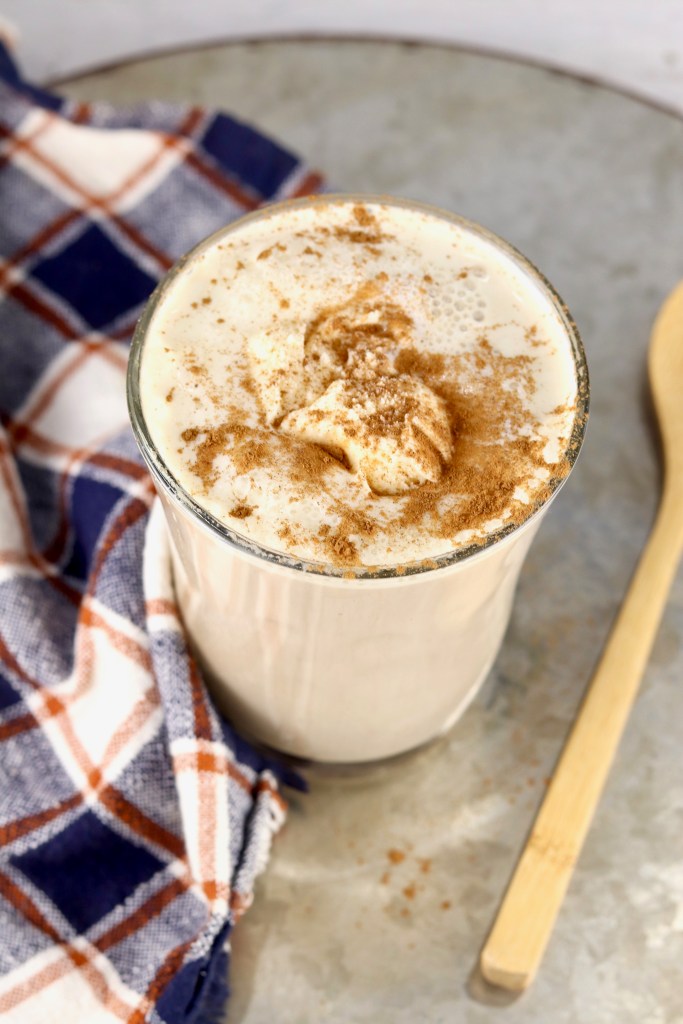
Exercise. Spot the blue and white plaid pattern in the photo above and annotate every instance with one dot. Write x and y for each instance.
(132, 819)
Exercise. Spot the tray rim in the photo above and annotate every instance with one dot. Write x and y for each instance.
(345, 38)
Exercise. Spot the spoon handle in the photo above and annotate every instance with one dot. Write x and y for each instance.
(517, 941)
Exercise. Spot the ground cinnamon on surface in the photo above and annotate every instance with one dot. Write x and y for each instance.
(484, 393)
(491, 442)
(241, 511)
(247, 448)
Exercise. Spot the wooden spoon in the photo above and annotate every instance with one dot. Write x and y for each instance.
(515, 946)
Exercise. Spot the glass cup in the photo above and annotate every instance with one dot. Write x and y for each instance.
(332, 667)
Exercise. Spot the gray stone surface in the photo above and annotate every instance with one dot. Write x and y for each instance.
(589, 184)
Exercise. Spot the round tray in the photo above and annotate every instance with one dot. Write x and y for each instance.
(381, 891)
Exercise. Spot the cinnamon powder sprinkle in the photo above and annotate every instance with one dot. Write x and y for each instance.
(345, 550)
(246, 446)
(490, 425)
(241, 511)
(364, 216)
(266, 253)
(359, 235)
(367, 342)
(491, 454)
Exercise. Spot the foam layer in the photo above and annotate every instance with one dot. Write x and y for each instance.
(362, 384)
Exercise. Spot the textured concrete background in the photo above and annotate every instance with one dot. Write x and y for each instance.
(588, 184)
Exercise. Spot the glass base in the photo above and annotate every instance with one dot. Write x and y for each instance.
(365, 771)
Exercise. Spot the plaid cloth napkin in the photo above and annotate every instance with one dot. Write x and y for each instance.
(132, 819)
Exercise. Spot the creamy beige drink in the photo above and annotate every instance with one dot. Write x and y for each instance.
(353, 408)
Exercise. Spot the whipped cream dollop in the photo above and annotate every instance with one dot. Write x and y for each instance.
(393, 430)
(336, 385)
(359, 383)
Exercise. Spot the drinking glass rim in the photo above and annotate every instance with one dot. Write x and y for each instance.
(163, 475)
